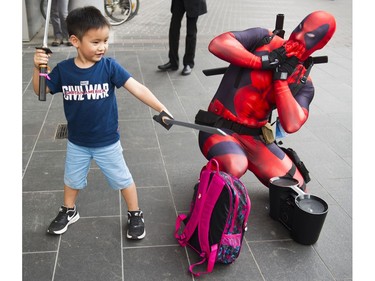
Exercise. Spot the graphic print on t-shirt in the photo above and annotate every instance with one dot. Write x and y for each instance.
(85, 91)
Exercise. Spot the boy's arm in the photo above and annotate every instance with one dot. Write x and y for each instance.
(142, 93)
(40, 57)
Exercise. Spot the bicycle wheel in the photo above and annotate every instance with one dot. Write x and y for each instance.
(43, 7)
(118, 11)
(135, 8)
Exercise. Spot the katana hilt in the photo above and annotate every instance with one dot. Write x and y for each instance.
(43, 74)
(159, 119)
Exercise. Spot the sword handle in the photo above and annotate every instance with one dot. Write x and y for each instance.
(320, 59)
(315, 60)
(159, 119)
(214, 71)
(279, 25)
(42, 82)
(43, 69)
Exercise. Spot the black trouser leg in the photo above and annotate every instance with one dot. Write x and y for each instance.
(174, 34)
(191, 41)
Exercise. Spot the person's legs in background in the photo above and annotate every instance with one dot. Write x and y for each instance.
(55, 20)
(63, 13)
(178, 11)
(174, 34)
(190, 44)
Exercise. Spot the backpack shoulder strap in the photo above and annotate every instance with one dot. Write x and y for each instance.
(214, 190)
(210, 262)
(209, 186)
(208, 252)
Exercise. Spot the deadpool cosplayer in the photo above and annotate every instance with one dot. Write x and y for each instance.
(265, 73)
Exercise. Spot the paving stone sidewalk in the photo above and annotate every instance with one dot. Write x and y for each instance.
(166, 164)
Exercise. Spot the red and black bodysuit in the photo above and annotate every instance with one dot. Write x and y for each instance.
(248, 93)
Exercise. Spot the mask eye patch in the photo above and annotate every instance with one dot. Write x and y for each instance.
(313, 38)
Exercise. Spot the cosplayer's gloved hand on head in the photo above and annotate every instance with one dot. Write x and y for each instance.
(286, 69)
(296, 49)
(274, 58)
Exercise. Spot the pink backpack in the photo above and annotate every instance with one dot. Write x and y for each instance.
(217, 219)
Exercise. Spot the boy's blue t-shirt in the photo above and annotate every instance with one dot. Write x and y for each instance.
(90, 104)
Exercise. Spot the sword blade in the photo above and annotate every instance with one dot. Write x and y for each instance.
(48, 14)
(207, 129)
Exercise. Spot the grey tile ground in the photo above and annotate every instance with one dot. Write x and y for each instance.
(166, 164)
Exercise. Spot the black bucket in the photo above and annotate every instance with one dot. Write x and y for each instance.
(301, 213)
(280, 196)
(309, 217)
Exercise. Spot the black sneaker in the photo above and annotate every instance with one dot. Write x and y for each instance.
(136, 225)
(65, 217)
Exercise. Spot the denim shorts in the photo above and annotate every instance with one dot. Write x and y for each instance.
(109, 159)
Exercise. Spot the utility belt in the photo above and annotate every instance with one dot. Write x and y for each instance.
(211, 119)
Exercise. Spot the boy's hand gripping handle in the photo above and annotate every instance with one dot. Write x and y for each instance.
(43, 69)
(43, 73)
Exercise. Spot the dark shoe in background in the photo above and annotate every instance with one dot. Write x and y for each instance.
(168, 66)
(57, 42)
(68, 43)
(186, 70)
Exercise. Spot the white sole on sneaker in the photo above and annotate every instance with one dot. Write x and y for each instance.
(66, 227)
(137, 238)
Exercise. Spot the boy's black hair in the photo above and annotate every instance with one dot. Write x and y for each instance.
(80, 20)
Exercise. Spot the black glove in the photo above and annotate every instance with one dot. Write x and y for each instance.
(286, 69)
(274, 58)
(159, 119)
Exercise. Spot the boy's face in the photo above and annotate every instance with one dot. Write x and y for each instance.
(94, 44)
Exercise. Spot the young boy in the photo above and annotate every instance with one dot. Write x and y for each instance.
(88, 83)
